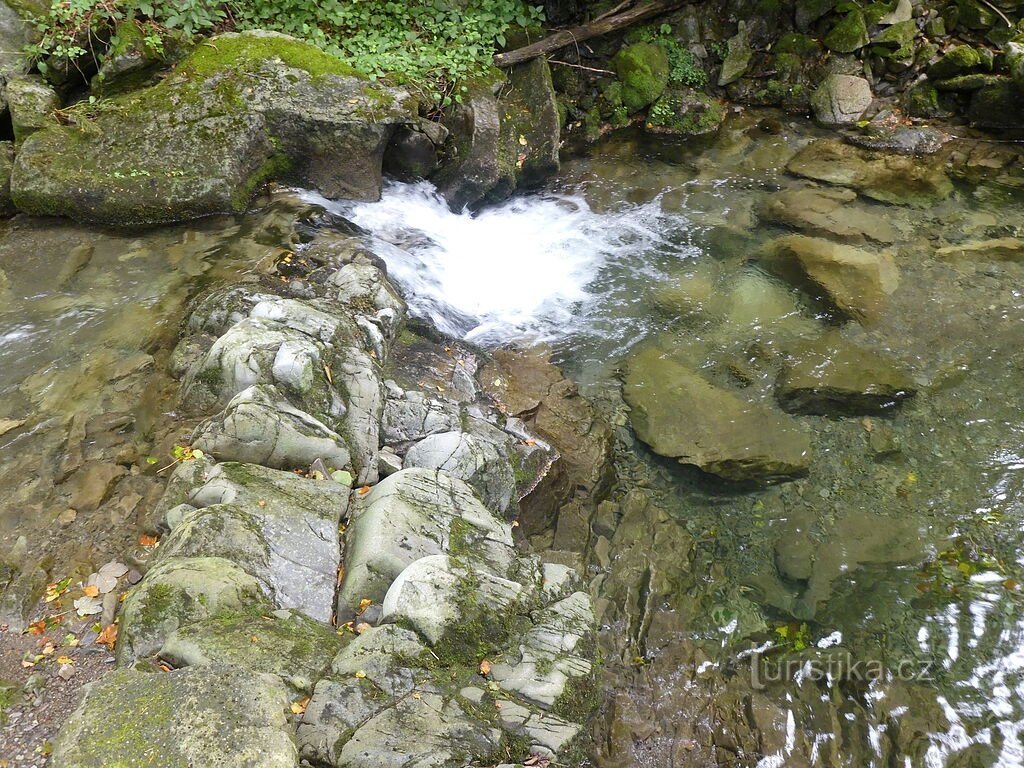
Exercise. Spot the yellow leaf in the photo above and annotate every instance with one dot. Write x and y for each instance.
(360, 674)
(299, 707)
(65, 660)
(91, 591)
(364, 604)
(485, 668)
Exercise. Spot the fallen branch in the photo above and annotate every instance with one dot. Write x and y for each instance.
(600, 26)
(580, 66)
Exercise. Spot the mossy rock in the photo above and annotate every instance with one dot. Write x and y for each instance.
(643, 69)
(242, 109)
(896, 41)
(218, 715)
(849, 35)
(975, 15)
(956, 61)
(795, 43)
(922, 100)
(997, 106)
(685, 112)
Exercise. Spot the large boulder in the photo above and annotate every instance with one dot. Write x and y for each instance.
(827, 212)
(643, 69)
(505, 135)
(854, 281)
(242, 109)
(841, 99)
(31, 102)
(681, 415)
(912, 181)
(214, 715)
(830, 376)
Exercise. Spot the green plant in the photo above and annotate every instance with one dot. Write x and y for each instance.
(436, 45)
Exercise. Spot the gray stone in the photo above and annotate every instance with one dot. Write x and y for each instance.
(199, 716)
(244, 109)
(260, 426)
(830, 376)
(841, 99)
(681, 415)
(997, 249)
(737, 59)
(856, 282)
(543, 729)
(413, 416)
(179, 592)
(31, 102)
(409, 515)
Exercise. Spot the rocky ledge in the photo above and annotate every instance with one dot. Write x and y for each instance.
(337, 580)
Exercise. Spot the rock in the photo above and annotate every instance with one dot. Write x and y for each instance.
(283, 643)
(643, 70)
(904, 11)
(501, 142)
(809, 11)
(896, 42)
(856, 282)
(841, 99)
(969, 83)
(279, 527)
(128, 62)
(902, 140)
(545, 730)
(849, 34)
(179, 592)
(413, 416)
(737, 58)
(682, 416)
(15, 33)
(92, 484)
(444, 601)
(410, 155)
(827, 212)
(1014, 55)
(260, 426)
(200, 716)
(407, 516)
(997, 106)
(31, 102)
(886, 178)
(922, 100)
(529, 386)
(236, 112)
(685, 112)
(998, 249)
(956, 61)
(830, 376)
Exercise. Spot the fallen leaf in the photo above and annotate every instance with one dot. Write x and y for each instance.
(91, 590)
(88, 606)
(360, 674)
(363, 605)
(65, 660)
(362, 627)
(148, 541)
(364, 490)
(485, 668)
(49, 649)
(299, 707)
(108, 636)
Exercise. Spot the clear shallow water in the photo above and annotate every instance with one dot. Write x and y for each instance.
(907, 537)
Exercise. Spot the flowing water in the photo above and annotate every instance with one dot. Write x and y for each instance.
(869, 614)
(866, 615)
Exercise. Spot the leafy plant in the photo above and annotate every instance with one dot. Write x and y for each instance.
(436, 45)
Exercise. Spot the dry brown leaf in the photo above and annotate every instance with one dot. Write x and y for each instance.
(148, 541)
(362, 627)
(91, 590)
(299, 707)
(485, 668)
(108, 636)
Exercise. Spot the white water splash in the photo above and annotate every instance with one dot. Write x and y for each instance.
(528, 268)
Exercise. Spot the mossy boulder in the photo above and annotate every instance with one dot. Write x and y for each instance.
(643, 69)
(997, 106)
(685, 112)
(199, 716)
(241, 109)
(956, 61)
(31, 102)
(849, 34)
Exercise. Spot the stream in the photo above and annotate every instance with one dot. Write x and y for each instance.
(869, 614)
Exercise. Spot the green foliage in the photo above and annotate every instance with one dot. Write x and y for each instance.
(684, 69)
(433, 44)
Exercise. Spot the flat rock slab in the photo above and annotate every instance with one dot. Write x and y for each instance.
(829, 212)
(855, 281)
(215, 715)
(912, 181)
(830, 376)
(998, 249)
(681, 415)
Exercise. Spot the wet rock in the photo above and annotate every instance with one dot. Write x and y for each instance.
(283, 643)
(411, 416)
(841, 99)
(245, 109)
(827, 212)
(527, 385)
(956, 61)
(856, 282)
(887, 178)
(441, 600)
(179, 592)
(997, 249)
(260, 426)
(831, 376)
(996, 106)
(407, 516)
(530, 127)
(91, 484)
(681, 415)
(410, 155)
(542, 729)
(7, 207)
(643, 70)
(737, 59)
(685, 112)
(901, 139)
(279, 527)
(200, 716)
(31, 102)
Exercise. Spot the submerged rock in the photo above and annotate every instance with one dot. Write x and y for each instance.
(681, 415)
(888, 178)
(242, 109)
(216, 715)
(831, 376)
(997, 249)
(856, 282)
(827, 212)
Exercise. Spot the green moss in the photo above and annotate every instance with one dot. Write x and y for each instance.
(795, 43)
(849, 35)
(688, 112)
(580, 699)
(275, 167)
(958, 60)
(249, 51)
(643, 69)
